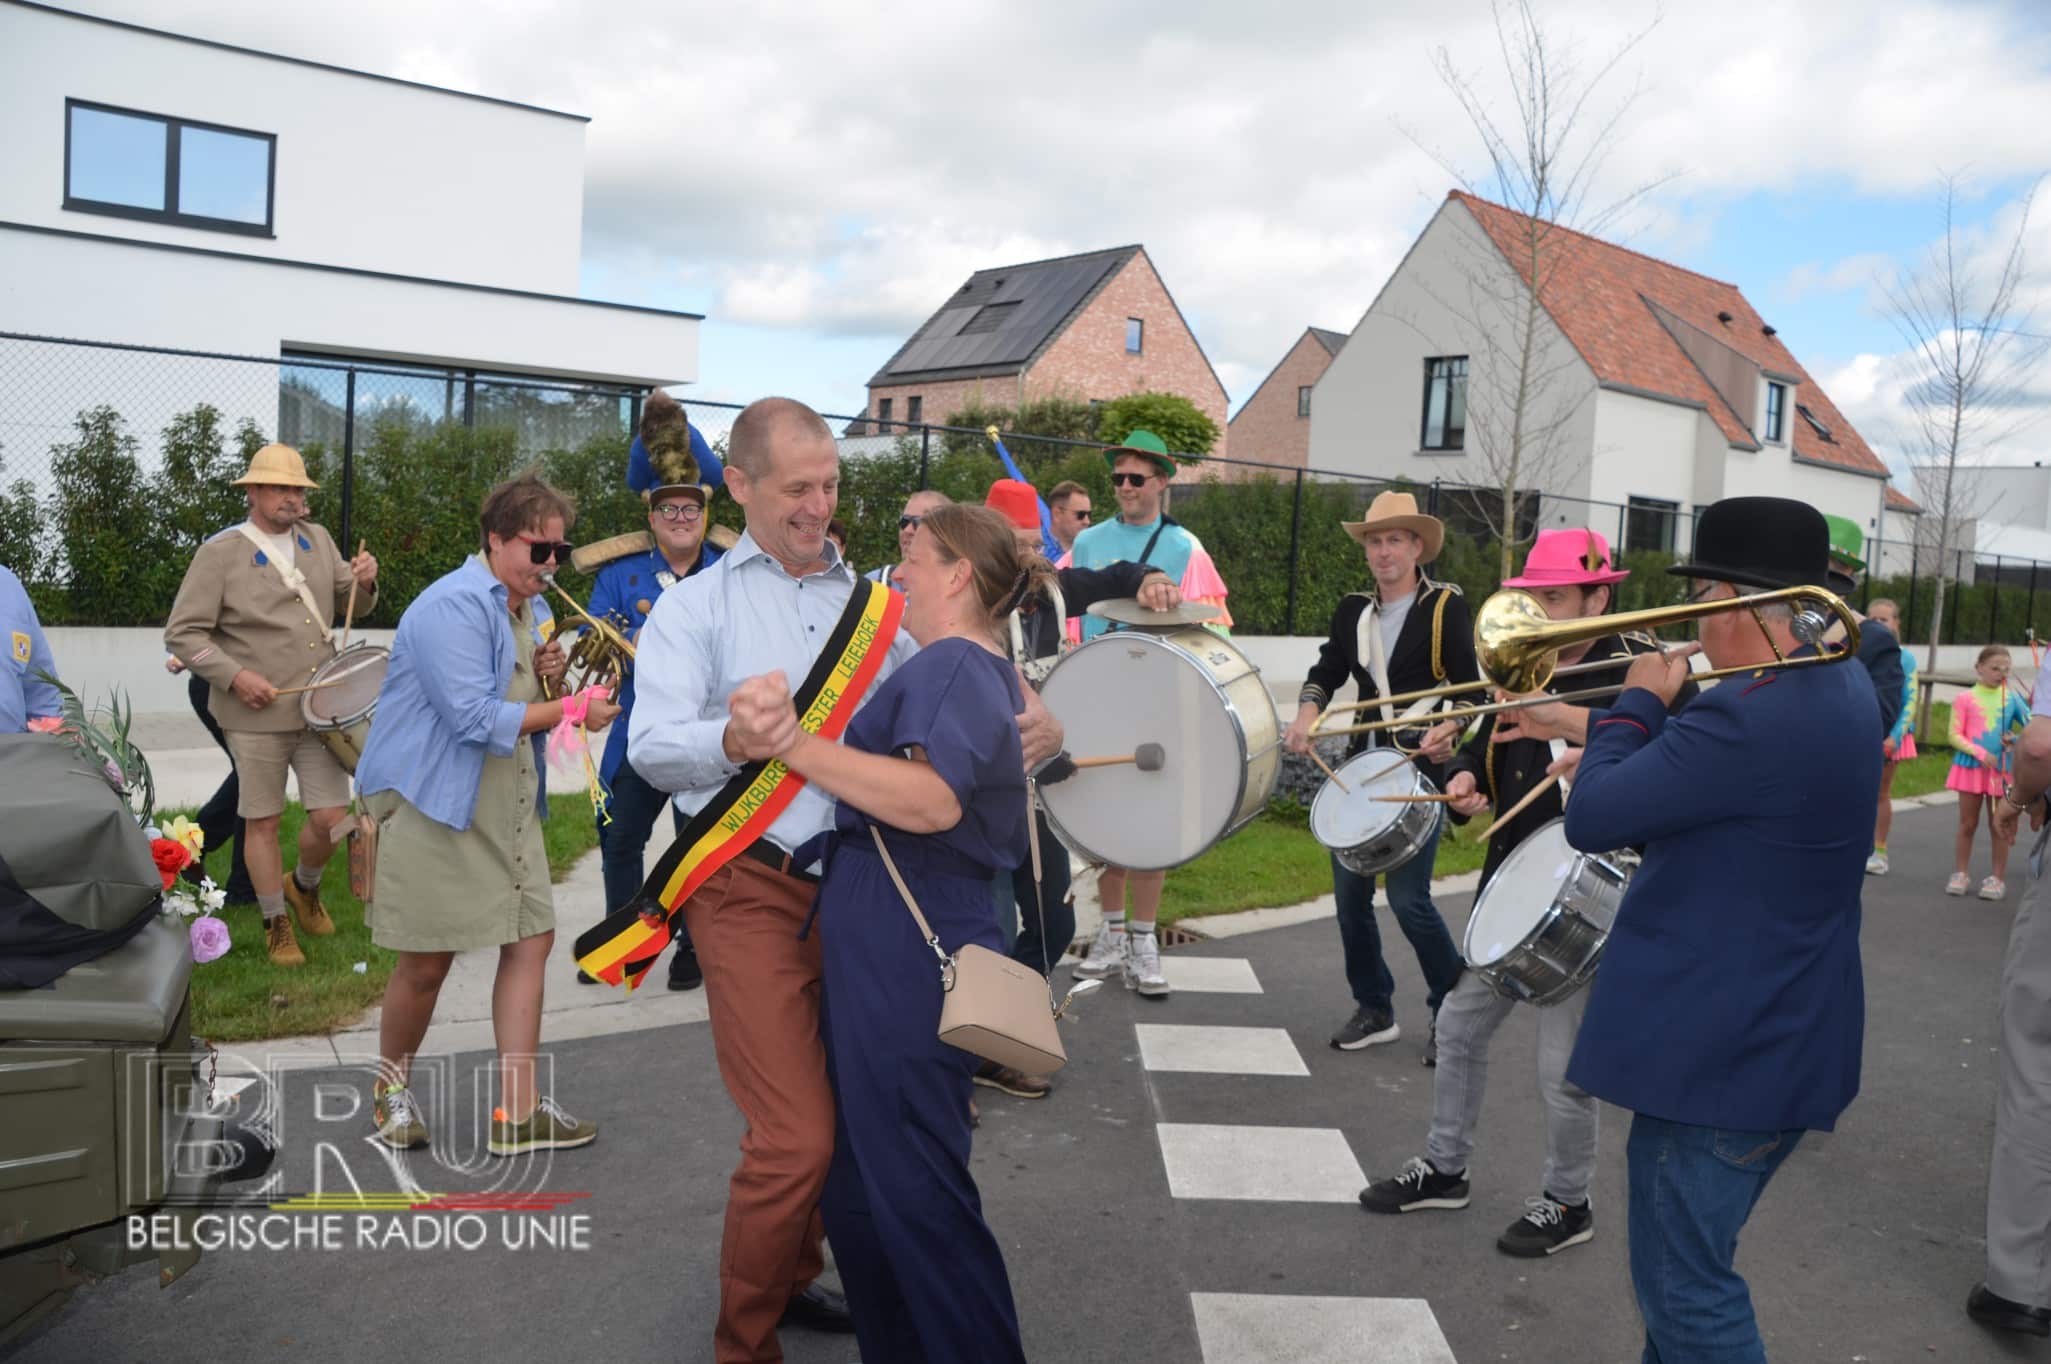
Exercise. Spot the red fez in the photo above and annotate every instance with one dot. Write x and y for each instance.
(1019, 503)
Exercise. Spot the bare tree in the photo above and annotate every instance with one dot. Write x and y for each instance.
(1972, 350)
(1522, 395)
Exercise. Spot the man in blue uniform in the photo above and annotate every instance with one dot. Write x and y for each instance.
(1730, 1006)
(24, 695)
(628, 588)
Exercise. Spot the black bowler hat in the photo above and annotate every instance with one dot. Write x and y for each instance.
(1767, 542)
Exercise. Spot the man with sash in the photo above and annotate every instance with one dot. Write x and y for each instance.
(254, 616)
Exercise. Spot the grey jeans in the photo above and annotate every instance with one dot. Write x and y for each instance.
(1467, 1024)
(2019, 1176)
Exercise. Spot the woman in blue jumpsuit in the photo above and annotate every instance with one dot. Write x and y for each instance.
(933, 760)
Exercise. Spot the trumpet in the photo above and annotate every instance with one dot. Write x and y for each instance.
(602, 654)
(1517, 645)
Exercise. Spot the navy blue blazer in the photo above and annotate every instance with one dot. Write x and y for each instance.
(1730, 993)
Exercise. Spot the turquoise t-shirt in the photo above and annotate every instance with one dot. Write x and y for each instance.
(1111, 542)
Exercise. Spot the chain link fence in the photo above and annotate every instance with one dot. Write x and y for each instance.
(116, 461)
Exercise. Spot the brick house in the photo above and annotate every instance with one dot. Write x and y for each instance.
(1667, 388)
(1095, 326)
(1273, 426)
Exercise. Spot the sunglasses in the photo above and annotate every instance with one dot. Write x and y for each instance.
(1082, 515)
(1129, 480)
(686, 512)
(542, 551)
(909, 522)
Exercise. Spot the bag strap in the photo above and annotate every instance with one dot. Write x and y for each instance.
(910, 903)
(292, 578)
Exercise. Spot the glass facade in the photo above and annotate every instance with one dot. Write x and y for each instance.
(314, 403)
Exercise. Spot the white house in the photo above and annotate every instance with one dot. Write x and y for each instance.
(169, 191)
(1664, 388)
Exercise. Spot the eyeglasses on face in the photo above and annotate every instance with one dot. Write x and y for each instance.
(686, 512)
(1129, 480)
(541, 551)
(909, 522)
(1081, 513)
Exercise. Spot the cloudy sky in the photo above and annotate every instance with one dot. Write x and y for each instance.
(817, 178)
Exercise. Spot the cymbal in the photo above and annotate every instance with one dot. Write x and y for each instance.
(1128, 611)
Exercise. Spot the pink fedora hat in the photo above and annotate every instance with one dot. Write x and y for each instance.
(1568, 558)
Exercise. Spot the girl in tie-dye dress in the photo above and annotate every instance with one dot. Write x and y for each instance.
(1984, 721)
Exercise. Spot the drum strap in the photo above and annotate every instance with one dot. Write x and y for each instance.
(292, 577)
(623, 946)
(1376, 655)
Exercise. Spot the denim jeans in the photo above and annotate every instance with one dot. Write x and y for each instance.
(1691, 1190)
(623, 844)
(1409, 890)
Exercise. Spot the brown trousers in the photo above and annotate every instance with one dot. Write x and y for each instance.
(762, 988)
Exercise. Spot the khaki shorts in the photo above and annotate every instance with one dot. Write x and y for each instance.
(261, 757)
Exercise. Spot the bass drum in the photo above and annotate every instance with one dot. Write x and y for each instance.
(1193, 693)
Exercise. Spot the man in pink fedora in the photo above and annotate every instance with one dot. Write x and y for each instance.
(1571, 575)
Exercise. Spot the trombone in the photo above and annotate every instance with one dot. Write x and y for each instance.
(1516, 643)
(603, 653)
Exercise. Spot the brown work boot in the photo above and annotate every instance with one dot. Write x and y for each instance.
(278, 939)
(307, 909)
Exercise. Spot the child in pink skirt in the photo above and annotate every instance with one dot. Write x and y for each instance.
(1984, 721)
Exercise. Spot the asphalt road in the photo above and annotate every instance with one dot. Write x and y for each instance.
(1863, 1248)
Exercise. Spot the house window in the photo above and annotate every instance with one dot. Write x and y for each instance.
(1814, 425)
(1445, 403)
(1776, 412)
(1134, 334)
(915, 409)
(168, 170)
(1649, 523)
(1303, 401)
(883, 409)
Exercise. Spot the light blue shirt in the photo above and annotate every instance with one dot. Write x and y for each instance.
(739, 618)
(442, 707)
(1108, 542)
(23, 694)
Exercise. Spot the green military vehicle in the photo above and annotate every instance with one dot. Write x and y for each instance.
(107, 1107)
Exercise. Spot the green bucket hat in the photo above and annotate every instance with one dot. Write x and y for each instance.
(1143, 442)
(1846, 542)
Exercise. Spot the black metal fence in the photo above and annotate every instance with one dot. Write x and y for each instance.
(115, 463)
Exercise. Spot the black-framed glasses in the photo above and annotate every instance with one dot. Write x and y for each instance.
(1081, 515)
(909, 522)
(1129, 480)
(541, 551)
(686, 512)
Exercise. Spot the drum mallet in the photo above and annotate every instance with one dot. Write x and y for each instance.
(1147, 758)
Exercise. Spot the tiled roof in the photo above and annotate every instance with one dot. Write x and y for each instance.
(1899, 501)
(1599, 294)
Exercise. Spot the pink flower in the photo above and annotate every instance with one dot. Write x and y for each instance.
(209, 938)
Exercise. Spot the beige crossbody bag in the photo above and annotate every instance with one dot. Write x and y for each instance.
(991, 1006)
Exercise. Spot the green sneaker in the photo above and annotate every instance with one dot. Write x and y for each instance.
(547, 1128)
(398, 1120)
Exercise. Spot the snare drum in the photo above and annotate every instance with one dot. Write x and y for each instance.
(1538, 927)
(1371, 836)
(341, 713)
(1188, 690)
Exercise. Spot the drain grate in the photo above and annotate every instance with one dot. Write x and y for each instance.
(1171, 935)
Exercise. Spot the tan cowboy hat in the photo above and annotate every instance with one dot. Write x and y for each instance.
(1398, 511)
(278, 465)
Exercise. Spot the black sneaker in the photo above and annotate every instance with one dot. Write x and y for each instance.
(1366, 1029)
(684, 972)
(1547, 1228)
(1416, 1186)
(1991, 1309)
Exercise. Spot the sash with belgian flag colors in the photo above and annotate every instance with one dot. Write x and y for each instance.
(623, 947)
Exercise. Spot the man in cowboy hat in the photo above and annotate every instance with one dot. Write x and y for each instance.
(1511, 752)
(1406, 634)
(627, 588)
(252, 617)
(1142, 533)
(1729, 1010)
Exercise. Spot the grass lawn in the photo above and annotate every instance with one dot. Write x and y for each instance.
(1275, 861)
(242, 997)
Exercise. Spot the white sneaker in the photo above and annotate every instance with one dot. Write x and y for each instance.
(1143, 965)
(1107, 953)
(1876, 865)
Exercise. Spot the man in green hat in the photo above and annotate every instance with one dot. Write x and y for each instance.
(1879, 649)
(1142, 533)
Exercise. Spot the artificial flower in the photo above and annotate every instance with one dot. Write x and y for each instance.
(183, 830)
(211, 895)
(171, 858)
(209, 938)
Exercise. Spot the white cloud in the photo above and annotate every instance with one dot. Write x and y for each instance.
(838, 169)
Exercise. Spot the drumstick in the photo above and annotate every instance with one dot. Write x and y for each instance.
(1533, 794)
(1147, 758)
(349, 615)
(1440, 799)
(311, 686)
(1325, 768)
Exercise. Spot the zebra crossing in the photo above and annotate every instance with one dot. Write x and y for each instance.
(1268, 1164)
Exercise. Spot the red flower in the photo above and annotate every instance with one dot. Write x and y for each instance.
(171, 858)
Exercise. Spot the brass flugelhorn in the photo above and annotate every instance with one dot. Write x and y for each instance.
(1516, 644)
(602, 654)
